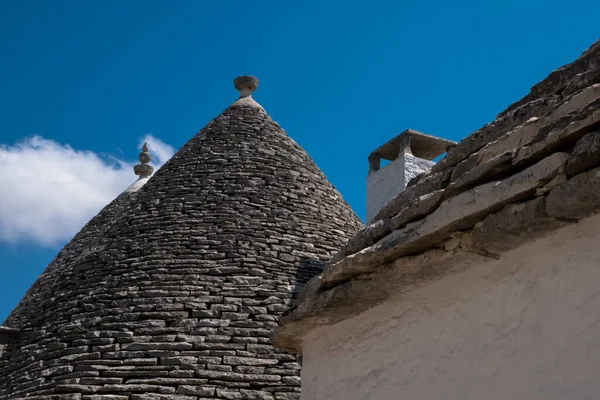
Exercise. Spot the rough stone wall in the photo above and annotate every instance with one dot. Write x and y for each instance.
(526, 326)
(184, 290)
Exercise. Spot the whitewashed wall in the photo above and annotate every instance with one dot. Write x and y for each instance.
(524, 327)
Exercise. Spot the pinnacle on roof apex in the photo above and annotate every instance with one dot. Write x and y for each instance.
(143, 169)
(245, 84)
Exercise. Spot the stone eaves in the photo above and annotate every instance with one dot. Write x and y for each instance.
(534, 169)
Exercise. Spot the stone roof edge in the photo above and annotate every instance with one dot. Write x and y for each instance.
(497, 198)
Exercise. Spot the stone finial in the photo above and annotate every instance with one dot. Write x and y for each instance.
(144, 169)
(245, 84)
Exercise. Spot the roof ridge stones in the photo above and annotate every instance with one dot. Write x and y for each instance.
(505, 185)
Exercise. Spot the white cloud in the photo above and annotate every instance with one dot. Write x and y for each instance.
(48, 190)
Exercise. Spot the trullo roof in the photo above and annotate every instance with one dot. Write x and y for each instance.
(177, 298)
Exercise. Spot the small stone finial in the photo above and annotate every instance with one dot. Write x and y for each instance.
(246, 85)
(144, 169)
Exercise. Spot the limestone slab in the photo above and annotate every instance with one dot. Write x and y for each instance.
(513, 226)
(585, 154)
(562, 136)
(584, 79)
(577, 198)
(422, 206)
(365, 238)
(494, 168)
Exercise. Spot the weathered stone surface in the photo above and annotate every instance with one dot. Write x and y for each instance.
(256, 395)
(104, 397)
(466, 165)
(584, 79)
(75, 388)
(181, 283)
(426, 185)
(422, 206)
(457, 213)
(513, 226)
(248, 361)
(554, 182)
(413, 181)
(498, 166)
(565, 135)
(585, 154)
(69, 396)
(365, 238)
(206, 391)
(494, 130)
(526, 133)
(155, 396)
(577, 198)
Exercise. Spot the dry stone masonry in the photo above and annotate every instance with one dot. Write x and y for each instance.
(173, 290)
(534, 169)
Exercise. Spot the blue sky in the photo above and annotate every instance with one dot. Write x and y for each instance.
(83, 83)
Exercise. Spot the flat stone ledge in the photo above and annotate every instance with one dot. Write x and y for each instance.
(365, 238)
(578, 198)
(422, 206)
(585, 154)
(513, 226)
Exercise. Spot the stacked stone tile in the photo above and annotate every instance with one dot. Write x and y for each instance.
(177, 294)
(534, 169)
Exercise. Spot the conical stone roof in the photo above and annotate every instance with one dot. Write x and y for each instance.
(179, 295)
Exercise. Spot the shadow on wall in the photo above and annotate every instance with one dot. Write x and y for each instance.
(307, 269)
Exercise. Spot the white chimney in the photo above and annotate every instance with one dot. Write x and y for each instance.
(409, 154)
